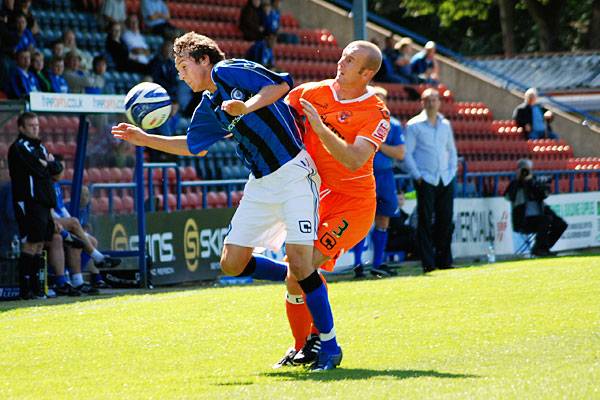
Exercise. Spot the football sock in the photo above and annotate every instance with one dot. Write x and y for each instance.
(358, 250)
(379, 242)
(85, 258)
(60, 280)
(261, 267)
(77, 279)
(97, 256)
(26, 267)
(299, 318)
(317, 301)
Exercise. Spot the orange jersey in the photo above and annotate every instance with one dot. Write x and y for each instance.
(365, 117)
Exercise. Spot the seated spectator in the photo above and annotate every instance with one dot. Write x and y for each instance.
(22, 82)
(424, 66)
(271, 17)
(533, 118)
(113, 11)
(262, 51)
(24, 7)
(70, 44)
(162, 69)
(37, 69)
(120, 53)
(402, 64)
(135, 41)
(251, 21)
(402, 235)
(156, 18)
(77, 79)
(22, 36)
(58, 49)
(529, 212)
(99, 84)
(58, 83)
(389, 49)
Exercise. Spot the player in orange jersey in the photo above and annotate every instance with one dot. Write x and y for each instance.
(345, 123)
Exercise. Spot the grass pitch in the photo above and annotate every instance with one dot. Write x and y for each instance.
(525, 329)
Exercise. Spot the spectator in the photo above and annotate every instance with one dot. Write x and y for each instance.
(271, 17)
(120, 53)
(22, 36)
(99, 84)
(37, 70)
(72, 226)
(135, 41)
(58, 83)
(251, 21)
(163, 71)
(156, 18)
(24, 7)
(424, 66)
(402, 64)
(262, 51)
(58, 49)
(77, 79)
(31, 166)
(22, 82)
(70, 44)
(533, 118)
(56, 263)
(431, 161)
(387, 197)
(529, 212)
(113, 11)
(402, 235)
(389, 49)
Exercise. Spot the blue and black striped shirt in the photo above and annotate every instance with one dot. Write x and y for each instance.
(267, 138)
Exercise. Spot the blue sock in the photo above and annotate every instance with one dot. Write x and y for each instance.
(379, 243)
(60, 280)
(317, 301)
(358, 250)
(85, 258)
(261, 267)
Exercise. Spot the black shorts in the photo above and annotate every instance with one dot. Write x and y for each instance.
(35, 223)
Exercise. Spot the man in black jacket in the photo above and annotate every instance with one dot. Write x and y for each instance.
(31, 166)
(529, 213)
(533, 118)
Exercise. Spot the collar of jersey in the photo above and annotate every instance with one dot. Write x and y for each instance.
(357, 99)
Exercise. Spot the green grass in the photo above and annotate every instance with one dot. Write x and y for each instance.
(527, 329)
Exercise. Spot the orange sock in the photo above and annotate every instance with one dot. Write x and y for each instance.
(299, 318)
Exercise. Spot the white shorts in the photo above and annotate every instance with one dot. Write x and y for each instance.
(282, 206)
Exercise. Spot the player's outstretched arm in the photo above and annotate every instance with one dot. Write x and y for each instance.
(134, 135)
(351, 155)
(393, 151)
(266, 96)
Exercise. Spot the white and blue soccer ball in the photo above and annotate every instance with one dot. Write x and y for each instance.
(147, 105)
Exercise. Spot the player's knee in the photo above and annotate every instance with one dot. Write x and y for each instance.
(232, 265)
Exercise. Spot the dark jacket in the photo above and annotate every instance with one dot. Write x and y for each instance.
(31, 181)
(522, 115)
(523, 194)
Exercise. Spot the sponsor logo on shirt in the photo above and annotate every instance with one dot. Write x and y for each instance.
(343, 117)
(382, 130)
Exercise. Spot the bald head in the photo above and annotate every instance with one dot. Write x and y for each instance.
(372, 54)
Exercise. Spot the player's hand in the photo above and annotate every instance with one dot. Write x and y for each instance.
(129, 133)
(312, 115)
(234, 107)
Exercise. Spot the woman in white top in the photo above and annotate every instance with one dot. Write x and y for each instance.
(135, 41)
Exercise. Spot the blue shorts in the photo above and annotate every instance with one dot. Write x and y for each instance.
(387, 196)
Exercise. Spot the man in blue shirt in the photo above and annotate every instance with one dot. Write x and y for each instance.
(423, 64)
(387, 195)
(245, 100)
(431, 161)
(22, 82)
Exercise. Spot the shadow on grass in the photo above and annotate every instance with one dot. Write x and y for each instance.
(362, 373)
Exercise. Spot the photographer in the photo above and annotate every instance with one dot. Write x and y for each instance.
(529, 213)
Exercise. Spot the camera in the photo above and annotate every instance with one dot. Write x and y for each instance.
(524, 173)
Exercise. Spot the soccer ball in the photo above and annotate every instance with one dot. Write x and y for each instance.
(147, 105)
